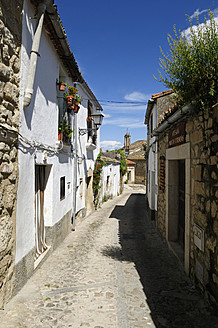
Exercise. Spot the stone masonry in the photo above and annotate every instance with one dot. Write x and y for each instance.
(10, 45)
(202, 134)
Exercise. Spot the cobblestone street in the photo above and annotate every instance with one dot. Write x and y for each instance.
(113, 271)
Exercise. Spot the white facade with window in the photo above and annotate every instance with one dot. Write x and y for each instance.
(156, 106)
(47, 180)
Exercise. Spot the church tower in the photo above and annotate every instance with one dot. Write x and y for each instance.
(127, 143)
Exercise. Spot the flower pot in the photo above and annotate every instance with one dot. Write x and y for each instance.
(60, 135)
(70, 100)
(62, 86)
(76, 108)
(89, 119)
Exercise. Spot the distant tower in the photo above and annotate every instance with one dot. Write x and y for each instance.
(127, 142)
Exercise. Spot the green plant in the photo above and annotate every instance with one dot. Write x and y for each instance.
(99, 163)
(123, 162)
(78, 98)
(66, 129)
(72, 91)
(191, 69)
(61, 82)
(105, 199)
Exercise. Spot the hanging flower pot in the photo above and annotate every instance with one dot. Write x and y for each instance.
(62, 86)
(76, 108)
(70, 100)
(60, 135)
(89, 119)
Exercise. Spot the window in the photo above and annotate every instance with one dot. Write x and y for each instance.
(151, 124)
(89, 124)
(81, 188)
(62, 188)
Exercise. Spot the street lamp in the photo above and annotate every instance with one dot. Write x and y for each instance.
(97, 118)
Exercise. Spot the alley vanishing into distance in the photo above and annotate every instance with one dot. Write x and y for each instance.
(113, 271)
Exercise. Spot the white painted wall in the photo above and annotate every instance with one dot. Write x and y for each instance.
(110, 186)
(86, 158)
(39, 123)
(152, 189)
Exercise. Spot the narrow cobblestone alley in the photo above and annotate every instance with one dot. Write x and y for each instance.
(113, 271)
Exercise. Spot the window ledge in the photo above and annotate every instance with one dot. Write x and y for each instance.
(90, 146)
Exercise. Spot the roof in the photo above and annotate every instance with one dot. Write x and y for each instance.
(153, 100)
(137, 150)
(110, 160)
(161, 94)
(56, 32)
(130, 162)
(137, 143)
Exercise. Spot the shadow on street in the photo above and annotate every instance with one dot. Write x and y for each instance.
(172, 299)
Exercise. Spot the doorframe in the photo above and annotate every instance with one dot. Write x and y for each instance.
(181, 152)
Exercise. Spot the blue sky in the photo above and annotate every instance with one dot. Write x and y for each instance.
(116, 45)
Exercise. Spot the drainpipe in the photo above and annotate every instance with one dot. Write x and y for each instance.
(75, 170)
(34, 55)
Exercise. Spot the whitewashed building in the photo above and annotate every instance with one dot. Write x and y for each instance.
(110, 178)
(54, 175)
(87, 149)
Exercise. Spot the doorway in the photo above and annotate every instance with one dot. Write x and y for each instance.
(178, 202)
(181, 196)
(40, 183)
(176, 207)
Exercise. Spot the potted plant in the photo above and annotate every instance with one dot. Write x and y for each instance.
(62, 86)
(73, 99)
(64, 131)
(89, 119)
(60, 134)
(76, 108)
(70, 96)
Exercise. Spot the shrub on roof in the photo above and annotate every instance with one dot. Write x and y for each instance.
(191, 68)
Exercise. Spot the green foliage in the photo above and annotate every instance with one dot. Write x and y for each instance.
(191, 69)
(123, 162)
(66, 129)
(72, 90)
(99, 163)
(78, 98)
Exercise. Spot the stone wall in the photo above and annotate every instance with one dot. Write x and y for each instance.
(140, 171)
(10, 45)
(202, 134)
(161, 203)
(163, 104)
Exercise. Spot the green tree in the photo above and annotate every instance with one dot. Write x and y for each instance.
(123, 162)
(191, 68)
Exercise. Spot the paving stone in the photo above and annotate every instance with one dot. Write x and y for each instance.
(117, 274)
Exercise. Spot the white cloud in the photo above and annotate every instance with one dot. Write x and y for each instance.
(136, 96)
(125, 122)
(110, 145)
(107, 115)
(124, 108)
(198, 13)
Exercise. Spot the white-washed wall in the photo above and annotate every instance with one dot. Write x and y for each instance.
(39, 122)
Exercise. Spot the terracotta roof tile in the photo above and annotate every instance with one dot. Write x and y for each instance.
(130, 162)
(161, 94)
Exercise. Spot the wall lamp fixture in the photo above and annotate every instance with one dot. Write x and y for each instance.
(97, 118)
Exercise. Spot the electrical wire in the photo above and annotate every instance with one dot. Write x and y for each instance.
(115, 101)
(35, 144)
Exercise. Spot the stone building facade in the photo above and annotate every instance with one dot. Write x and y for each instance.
(137, 155)
(187, 193)
(11, 32)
